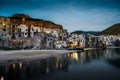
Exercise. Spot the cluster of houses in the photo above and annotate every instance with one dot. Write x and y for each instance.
(93, 41)
(22, 31)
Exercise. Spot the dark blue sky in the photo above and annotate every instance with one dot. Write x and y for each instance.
(88, 15)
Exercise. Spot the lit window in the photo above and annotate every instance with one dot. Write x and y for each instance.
(3, 24)
(23, 19)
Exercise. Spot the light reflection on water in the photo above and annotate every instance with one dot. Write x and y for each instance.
(72, 66)
(2, 78)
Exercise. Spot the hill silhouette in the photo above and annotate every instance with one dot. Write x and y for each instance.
(112, 30)
(88, 32)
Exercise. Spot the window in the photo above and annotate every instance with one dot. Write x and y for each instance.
(36, 30)
(4, 29)
(19, 35)
(5, 19)
(25, 33)
(20, 29)
(32, 29)
(13, 26)
(13, 31)
(34, 33)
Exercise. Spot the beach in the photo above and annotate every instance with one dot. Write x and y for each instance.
(23, 55)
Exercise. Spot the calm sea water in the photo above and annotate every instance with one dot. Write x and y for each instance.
(88, 65)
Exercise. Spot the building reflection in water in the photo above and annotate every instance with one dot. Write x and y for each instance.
(13, 66)
(20, 65)
(34, 69)
(39, 69)
(92, 55)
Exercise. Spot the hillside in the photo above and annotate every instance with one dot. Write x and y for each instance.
(26, 19)
(88, 32)
(112, 30)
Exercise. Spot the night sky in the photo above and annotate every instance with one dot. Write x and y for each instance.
(87, 15)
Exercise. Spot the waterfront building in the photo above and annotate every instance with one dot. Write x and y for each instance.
(110, 39)
(76, 40)
(82, 40)
(50, 41)
(22, 28)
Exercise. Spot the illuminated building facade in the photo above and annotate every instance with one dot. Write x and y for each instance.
(20, 26)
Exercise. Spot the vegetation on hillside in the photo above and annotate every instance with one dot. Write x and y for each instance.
(84, 32)
(112, 30)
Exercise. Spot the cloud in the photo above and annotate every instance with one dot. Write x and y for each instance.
(72, 14)
(73, 18)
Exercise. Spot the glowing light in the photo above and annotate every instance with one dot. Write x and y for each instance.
(23, 19)
(75, 56)
(14, 40)
(2, 78)
(20, 65)
(21, 41)
(3, 24)
(13, 66)
(48, 32)
(68, 55)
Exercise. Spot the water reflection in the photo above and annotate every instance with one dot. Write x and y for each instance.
(2, 78)
(114, 58)
(114, 62)
(41, 69)
(34, 69)
(87, 56)
(20, 65)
